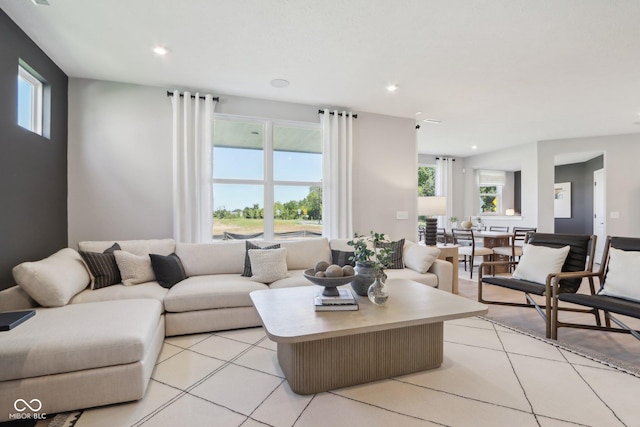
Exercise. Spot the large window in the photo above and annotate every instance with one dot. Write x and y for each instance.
(30, 100)
(267, 179)
(426, 181)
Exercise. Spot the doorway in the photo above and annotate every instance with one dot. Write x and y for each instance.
(599, 212)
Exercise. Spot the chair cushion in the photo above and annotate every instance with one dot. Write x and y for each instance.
(623, 275)
(79, 337)
(603, 302)
(537, 262)
(53, 281)
(466, 250)
(515, 284)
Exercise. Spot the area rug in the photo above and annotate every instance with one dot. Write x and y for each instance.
(66, 419)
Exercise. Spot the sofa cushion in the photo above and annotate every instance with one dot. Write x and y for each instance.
(200, 259)
(622, 275)
(151, 290)
(58, 340)
(102, 267)
(133, 268)
(294, 278)
(305, 253)
(268, 266)
(246, 272)
(167, 269)
(137, 247)
(429, 279)
(420, 258)
(215, 291)
(53, 281)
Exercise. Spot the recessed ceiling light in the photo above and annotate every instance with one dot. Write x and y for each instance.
(40, 2)
(279, 83)
(392, 88)
(432, 121)
(474, 147)
(160, 50)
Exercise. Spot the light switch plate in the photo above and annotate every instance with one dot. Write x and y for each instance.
(615, 215)
(402, 215)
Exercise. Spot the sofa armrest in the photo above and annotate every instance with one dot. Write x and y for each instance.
(444, 270)
(15, 298)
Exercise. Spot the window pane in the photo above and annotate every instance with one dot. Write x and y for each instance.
(237, 211)
(488, 204)
(25, 104)
(297, 211)
(238, 149)
(426, 181)
(297, 153)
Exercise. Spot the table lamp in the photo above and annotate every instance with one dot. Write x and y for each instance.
(431, 207)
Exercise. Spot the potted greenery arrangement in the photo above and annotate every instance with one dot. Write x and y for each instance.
(372, 254)
(454, 222)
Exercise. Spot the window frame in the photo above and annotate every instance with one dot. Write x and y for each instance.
(267, 182)
(36, 100)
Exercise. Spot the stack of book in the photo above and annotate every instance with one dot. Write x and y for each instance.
(343, 302)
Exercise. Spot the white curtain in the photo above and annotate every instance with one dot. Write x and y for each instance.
(337, 138)
(192, 127)
(444, 186)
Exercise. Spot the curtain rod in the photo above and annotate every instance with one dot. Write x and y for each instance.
(215, 98)
(355, 116)
(446, 158)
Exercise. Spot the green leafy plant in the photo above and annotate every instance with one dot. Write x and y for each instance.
(379, 257)
(453, 219)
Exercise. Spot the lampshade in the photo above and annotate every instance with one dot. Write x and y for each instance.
(432, 205)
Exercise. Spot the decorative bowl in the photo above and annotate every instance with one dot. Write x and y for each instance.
(329, 283)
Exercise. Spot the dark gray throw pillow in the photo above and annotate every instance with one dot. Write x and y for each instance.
(103, 267)
(396, 255)
(342, 258)
(246, 272)
(168, 269)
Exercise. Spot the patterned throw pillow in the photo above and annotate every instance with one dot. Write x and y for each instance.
(268, 266)
(247, 261)
(103, 267)
(341, 258)
(167, 269)
(396, 254)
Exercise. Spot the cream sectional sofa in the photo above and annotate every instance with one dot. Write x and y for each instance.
(115, 333)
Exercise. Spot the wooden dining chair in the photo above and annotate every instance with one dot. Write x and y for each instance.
(514, 250)
(468, 248)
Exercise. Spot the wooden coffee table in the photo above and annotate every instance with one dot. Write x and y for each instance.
(320, 351)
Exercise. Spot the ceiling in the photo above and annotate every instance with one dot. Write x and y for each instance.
(496, 73)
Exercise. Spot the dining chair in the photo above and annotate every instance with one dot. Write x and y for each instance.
(514, 250)
(468, 248)
(499, 228)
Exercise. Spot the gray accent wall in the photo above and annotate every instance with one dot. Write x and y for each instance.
(33, 169)
(580, 175)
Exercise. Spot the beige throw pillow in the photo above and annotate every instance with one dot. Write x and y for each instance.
(418, 257)
(134, 269)
(268, 266)
(53, 281)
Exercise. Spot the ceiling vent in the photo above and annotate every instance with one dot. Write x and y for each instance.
(40, 2)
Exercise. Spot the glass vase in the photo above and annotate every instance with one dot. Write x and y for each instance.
(378, 292)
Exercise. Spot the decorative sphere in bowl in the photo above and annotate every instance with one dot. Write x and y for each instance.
(329, 283)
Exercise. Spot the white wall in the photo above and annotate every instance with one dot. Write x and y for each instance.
(385, 175)
(120, 165)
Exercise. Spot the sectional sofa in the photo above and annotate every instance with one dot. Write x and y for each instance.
(89, 346)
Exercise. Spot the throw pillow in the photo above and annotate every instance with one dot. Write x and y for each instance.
(247, 261)
(420, 258)
(134, 269)
(537, 262)
(167, 269)
(342, 258)
(268, 266)
(53, 281)
(622, 275)
(396, 254)
(103, 267)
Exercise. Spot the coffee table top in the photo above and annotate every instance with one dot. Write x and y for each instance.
(288, 314)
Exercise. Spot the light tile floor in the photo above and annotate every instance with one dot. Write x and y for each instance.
(491, 376)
